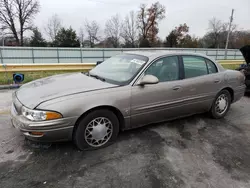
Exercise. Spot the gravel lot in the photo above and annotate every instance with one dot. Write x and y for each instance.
(191, 152)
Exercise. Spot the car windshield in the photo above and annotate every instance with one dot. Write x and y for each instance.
(119, 69)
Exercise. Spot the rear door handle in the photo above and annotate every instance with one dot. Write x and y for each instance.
(216, 81)
(176, 88)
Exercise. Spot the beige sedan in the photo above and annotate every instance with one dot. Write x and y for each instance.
(126, 91)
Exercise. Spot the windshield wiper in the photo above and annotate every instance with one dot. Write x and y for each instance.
(97, 77)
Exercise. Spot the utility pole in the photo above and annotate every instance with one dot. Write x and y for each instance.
(228, 33)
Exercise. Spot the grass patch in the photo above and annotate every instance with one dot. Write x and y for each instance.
(233, 67)
(6, 78)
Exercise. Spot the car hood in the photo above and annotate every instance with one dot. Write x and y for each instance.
(245, 50)
(36, 92)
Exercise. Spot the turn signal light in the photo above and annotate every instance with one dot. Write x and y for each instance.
(52, 115)
(37, 133)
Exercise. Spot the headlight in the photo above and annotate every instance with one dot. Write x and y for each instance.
(39, 115)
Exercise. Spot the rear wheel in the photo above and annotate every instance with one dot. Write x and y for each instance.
(96, 130)
(221, 104)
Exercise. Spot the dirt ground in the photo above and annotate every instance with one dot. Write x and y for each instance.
(191, 152)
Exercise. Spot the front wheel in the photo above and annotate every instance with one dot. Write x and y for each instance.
(221, 104)
(96, 130)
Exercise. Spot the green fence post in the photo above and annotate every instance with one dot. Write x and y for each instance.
(103, 54)
(81, 53)
(216, 56)
(58, 55)
(235, 54)
(32, 52)
(1, 55)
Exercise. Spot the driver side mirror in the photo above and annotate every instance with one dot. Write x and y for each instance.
(149, 79)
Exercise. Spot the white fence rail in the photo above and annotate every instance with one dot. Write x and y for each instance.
(23, 55)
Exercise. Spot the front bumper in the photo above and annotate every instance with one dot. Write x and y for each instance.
(53, 130)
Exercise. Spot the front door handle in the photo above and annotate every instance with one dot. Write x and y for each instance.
(176, 88)
(216, 81)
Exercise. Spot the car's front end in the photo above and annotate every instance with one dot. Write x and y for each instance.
(54, 122)
(41, 125)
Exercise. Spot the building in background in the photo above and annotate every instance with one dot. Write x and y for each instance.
(8, 41)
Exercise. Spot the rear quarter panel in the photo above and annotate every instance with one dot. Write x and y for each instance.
(236, 81)
(234, 78)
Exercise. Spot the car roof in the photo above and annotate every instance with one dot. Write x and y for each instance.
(156, 53)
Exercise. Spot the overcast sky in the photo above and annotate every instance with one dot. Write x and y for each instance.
(195, 13)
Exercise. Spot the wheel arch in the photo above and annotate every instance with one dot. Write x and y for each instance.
(113, 109)
(231, 91)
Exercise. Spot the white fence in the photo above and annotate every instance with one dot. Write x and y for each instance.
(22, 55)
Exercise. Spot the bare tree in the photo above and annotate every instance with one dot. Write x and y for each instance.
(53, 26)
(92, 30)
(81, 36)
(217, 32)
(16, 17)
(129, 30)
(215, 29)
(112, 30)
(148, 18)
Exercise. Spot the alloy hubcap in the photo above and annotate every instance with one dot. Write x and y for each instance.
(221, 104)
(98, 131)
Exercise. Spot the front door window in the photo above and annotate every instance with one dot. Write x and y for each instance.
(165, 69)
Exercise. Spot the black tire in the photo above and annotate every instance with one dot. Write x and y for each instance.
(213, 112)
(79, 131)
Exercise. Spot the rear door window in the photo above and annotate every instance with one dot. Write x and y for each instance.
(194, 66)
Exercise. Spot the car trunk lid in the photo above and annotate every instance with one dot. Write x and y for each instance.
(245, 50)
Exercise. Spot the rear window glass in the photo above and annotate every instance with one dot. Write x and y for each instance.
(211, 67)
